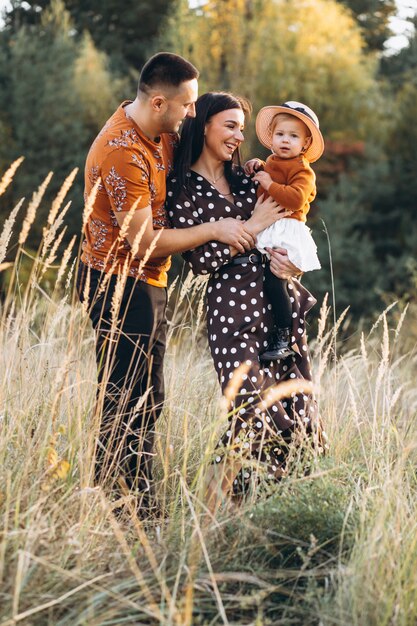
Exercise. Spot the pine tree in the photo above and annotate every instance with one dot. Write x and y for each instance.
(373, 17)
(125, 31)
(59, 95)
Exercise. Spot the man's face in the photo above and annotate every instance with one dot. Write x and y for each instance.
(180, 104)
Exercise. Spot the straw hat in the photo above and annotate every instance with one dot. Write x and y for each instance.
(304, 113)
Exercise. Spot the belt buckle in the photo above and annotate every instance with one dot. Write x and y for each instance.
(252, 258)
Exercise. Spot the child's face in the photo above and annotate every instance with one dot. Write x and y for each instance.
(289, 137)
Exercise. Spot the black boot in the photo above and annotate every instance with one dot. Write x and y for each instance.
(278, 345)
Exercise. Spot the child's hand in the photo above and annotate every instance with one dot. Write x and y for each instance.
(264, 179)
(252, 166)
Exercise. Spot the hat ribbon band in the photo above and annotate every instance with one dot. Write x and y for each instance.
(300, 110)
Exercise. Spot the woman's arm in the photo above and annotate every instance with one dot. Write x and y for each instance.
(231, 232)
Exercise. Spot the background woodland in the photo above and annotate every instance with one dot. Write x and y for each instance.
(64, 67)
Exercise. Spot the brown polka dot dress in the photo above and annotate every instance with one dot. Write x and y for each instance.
(239, 319)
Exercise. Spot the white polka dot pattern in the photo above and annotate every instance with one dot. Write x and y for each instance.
(239, 319)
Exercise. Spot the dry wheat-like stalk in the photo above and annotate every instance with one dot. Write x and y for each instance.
(52, 253)
(118, 291)
(401, 320)
(60, 197)
(8, 175)
(32, 208)
(330, 347)
(185, 287)
(65, 259)
(202, 301)
(149, 250)
(285, 389)
(122, 276)
(364, 352)
(86, 292)
(171, 288)
(324, 312)
(49, 234)
(7, 230)
(89, 205)
(103, 282)
(138, 238)
(384, 362)
(128, 218)
(70, 273)
(381, 317)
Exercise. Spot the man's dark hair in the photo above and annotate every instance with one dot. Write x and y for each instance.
(165, 70)
(192, 135)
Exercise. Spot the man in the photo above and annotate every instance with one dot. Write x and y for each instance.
(125, 293)
(123, 273)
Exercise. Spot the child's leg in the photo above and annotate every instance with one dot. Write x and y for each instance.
(277, 292)
(279, 340)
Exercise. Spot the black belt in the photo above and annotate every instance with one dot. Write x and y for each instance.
(254, 258)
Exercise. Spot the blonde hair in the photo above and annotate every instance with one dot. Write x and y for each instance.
(288, 116)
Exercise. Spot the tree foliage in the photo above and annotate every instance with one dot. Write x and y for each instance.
(125, 31)
(373, 17)
(53, 111)
(272, 51)
(60, 68)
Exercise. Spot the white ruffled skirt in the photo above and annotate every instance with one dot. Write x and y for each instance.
(296, 238)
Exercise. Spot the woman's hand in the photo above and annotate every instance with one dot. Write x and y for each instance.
(265, 213)
(280, 264)
(234, 233)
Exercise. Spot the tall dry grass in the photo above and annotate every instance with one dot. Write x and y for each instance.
(334, 547)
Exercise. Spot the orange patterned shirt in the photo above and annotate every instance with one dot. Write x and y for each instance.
(130, 166)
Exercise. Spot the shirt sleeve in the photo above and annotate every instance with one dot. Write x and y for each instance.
(126, 178)
(299, 190)
(183, 213)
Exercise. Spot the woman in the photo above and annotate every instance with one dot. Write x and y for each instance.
(208, 184)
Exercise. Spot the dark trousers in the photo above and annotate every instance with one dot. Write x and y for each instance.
(277, 291)
(129, 358)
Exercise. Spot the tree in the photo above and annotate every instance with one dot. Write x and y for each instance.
(401, 68)
(92, 77)
(277, 50)
(373, 17)
(358, 279)
(125, 31)
(59, 95)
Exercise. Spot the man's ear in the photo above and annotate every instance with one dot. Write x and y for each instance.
(159, 103)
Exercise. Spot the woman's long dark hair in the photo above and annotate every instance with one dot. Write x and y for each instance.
(192, 135)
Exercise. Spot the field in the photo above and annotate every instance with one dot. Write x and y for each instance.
(337, 546)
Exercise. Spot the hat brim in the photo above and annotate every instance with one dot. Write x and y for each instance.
(263, 130)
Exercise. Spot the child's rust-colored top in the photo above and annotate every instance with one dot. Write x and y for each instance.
(294, 185)
(130, 166)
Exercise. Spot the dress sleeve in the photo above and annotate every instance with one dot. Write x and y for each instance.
(183, 213)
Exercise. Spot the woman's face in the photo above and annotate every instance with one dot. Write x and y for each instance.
(223, 134)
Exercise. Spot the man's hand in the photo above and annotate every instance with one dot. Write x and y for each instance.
(252, 166)
(280, 264)
(234, 233)
(264, 179)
